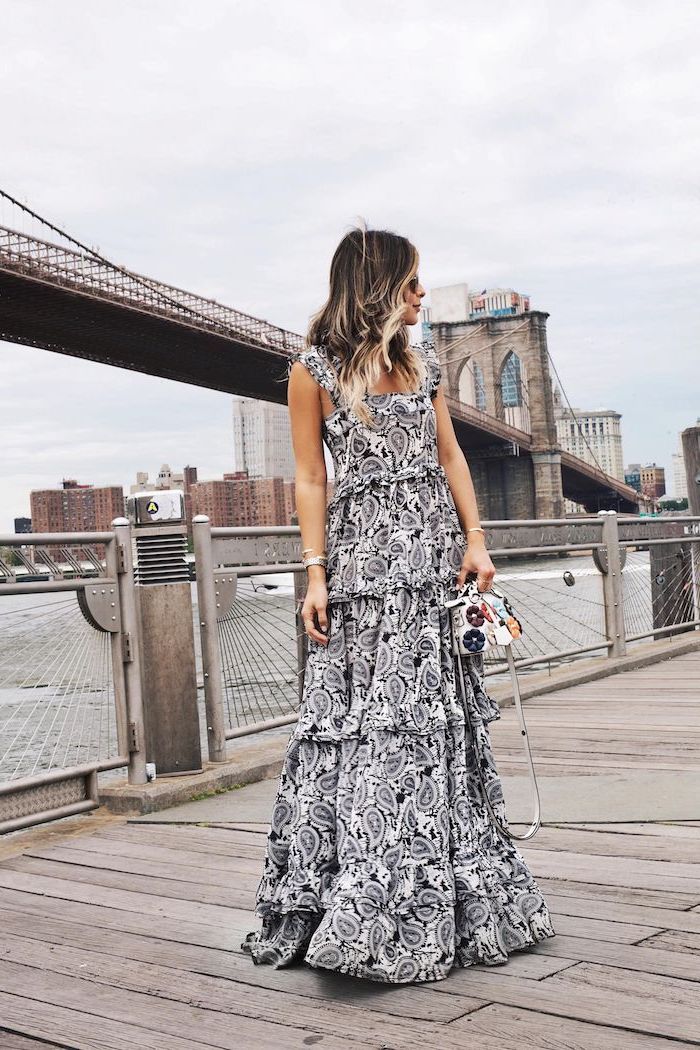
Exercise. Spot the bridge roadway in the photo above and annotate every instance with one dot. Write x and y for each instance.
(125, 933)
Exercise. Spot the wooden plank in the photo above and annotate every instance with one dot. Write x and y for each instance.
(103, 917)
(190, 944)
(147, 848)
(656, 829)
(597, 929)
(12, 1041)
(671, 991)
(682, 698)
(551, 1032)
(646, 721)
(143, 903)
(202, 896)
(239, 893)
(190, 867)
(598, 843)
(236, 966)
(630, 957)
(653, 741)
(620, 1007)
(223, 999)
(543, 758)
(252, 827)
(200, 832)
(614, 871)
(113, 1002)
(77, 1028)
(160, 860)
(214, 840)
(235, 963)
(186, 1026)
(662, 918)
(624, 894)
(676, 941)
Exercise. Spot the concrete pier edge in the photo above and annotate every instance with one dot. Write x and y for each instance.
(260, 757)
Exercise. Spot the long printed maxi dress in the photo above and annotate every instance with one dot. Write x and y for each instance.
(382, 861)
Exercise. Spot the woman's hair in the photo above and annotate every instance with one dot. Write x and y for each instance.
(361, 323)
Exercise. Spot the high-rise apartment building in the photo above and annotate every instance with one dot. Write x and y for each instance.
(241, 501)
(680, 480)
(595, 436)
(262, 440)
(76, 508)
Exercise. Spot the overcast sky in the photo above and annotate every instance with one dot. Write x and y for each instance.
(226, 147)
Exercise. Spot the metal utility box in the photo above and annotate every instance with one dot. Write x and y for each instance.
(164, 592)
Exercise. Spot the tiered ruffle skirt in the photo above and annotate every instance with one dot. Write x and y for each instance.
(382, 861)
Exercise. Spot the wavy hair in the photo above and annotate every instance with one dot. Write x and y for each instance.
(361, 323)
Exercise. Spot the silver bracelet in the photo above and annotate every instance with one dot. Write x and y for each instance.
(318, 560)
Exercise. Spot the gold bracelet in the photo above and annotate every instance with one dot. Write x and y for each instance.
(476, 528)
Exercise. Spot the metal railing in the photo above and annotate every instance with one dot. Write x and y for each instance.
(71, 702)
(70, 679)
(252, 681)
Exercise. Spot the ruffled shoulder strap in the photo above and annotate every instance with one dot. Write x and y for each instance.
(434, 375)
(315, 359)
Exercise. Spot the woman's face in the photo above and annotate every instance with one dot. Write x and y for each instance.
(413, 295)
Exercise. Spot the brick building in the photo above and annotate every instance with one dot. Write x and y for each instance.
(76, 508)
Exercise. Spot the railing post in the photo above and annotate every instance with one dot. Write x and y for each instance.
(612, 584)
(116, 640)
(209, 634)
(131, 653)
(695, 580)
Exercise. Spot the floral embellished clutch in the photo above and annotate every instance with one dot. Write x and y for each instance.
(481, 619)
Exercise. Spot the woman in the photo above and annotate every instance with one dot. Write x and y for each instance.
(381, 859)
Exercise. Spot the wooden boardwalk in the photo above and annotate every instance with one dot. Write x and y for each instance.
(128, 936)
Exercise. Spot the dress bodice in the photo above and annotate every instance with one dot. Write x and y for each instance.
(391, 519)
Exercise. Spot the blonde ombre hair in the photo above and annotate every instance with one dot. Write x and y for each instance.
(362, 321)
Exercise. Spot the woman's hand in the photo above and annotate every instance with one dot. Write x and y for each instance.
(315, 609)
(476, 559)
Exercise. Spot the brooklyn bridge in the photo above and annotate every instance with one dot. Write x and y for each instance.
(496, 373)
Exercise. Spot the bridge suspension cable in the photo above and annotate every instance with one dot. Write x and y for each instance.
(242, 324)
(461, 341)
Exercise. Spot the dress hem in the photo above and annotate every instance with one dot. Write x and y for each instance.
(435, 974)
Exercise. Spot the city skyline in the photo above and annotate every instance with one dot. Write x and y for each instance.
(583, 197)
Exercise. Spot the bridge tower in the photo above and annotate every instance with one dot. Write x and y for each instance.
(500, 365)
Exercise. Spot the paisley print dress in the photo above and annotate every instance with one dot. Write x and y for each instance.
(381, 859)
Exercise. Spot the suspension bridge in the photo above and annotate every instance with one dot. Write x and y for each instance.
(65, 297)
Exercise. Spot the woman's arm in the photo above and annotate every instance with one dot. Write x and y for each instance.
(306, 415)
(476, 558)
